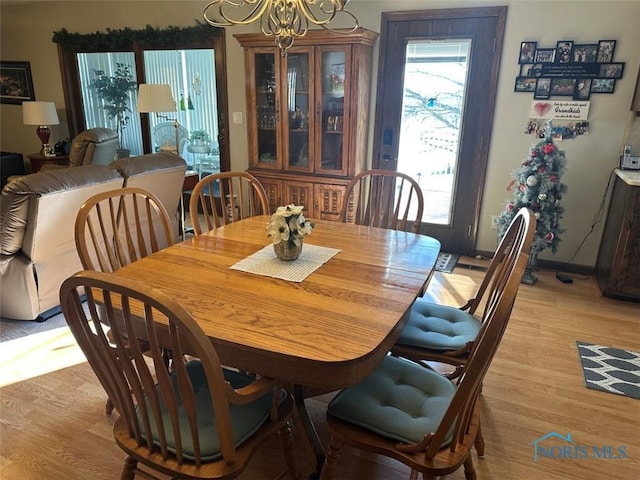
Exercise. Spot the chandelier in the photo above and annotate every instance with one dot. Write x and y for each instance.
(284, 20)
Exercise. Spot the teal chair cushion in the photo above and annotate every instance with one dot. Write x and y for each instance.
(400, 400)
(438, 327)
(246, 419)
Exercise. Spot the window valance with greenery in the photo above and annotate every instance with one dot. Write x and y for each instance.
(115, 39)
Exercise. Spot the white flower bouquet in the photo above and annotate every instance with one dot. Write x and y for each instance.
(289, 225)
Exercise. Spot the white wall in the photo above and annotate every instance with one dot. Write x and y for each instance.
(26, 31)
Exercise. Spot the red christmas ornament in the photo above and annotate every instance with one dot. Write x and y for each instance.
(522, 188)
(509, 207)
(549, 237)
(553, 177)
(548, 148)
(534, 153)
(542, 169)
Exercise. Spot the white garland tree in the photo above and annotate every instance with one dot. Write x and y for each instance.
(536, 185)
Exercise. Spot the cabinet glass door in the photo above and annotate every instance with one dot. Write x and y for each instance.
(299, 106)
(335, 88)
(266, 113)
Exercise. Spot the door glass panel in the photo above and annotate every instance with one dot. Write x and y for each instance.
(191, 75)
(434, 89)
(90, 65)
(298, 104)
(333, 78)
(266, 108)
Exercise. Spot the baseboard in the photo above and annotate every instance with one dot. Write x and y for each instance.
(550, 265)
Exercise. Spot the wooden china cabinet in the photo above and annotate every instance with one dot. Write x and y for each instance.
(307, 116)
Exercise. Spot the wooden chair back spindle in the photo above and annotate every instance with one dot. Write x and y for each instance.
(224, 198)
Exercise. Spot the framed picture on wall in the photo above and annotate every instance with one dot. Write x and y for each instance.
(527, 52)
(563, 51)
(611, 70)
(585, 53)
(545, 55)
(543, 88)
(605, 51)
(525, 84)
(16, 83)
(603, 85)
(563, 87)
(583, 89)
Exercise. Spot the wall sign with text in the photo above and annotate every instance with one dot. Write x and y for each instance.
(570, 69)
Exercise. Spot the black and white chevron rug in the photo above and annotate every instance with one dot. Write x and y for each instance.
(446, 262)
(610, 369)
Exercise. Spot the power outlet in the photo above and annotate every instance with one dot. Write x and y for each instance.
(494, 222)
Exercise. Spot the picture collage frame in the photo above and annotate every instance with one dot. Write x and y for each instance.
(569, 69)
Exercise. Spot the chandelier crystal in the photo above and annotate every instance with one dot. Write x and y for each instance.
(284, 20)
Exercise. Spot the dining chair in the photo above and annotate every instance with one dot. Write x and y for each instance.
(417, 416)
(197, 421)
(385, 199)
(118, 227)
(446, 334)
(224, 198)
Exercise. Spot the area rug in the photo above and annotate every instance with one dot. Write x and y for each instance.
(446, 262)
(13, 329)
(610, 369)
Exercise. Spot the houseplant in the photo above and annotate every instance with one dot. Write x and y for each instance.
(200, 137)
(287, 228)
(115, 92)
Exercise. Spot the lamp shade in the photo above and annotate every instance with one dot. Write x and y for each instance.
(155, 97)
(39, 113)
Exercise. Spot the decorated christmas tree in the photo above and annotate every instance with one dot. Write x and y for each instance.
(536, 185)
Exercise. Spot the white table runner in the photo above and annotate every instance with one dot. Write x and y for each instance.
(264, 262)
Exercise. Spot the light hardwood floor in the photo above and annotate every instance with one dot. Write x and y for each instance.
(53, 426)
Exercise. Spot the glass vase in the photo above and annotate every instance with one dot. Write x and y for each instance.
(287, 250)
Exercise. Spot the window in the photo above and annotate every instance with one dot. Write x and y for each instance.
(190, 60)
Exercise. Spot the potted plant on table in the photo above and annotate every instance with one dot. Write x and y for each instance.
(115, 92)
(287, 228)
(200, 138)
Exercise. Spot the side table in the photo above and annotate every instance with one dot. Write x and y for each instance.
(195, 151)
(37, 160)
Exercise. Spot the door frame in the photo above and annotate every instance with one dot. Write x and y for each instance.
(386, 158)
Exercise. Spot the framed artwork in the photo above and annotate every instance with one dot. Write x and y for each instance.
(563, 87)
(563, 51)
(611, 70)
(603, 85)
(583, 89)
(16, 83)
(585, 53)
(527, 52)
(545, 55)
(543, 88)
(605, 51)
(525, 84)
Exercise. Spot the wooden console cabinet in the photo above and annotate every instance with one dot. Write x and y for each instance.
(307, 116)
(618, 264)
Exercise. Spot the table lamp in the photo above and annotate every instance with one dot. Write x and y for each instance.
(41, 114)
(157, 98)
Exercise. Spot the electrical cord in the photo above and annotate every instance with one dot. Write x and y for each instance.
(597, 218)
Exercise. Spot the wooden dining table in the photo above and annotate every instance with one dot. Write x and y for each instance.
(324, 333)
